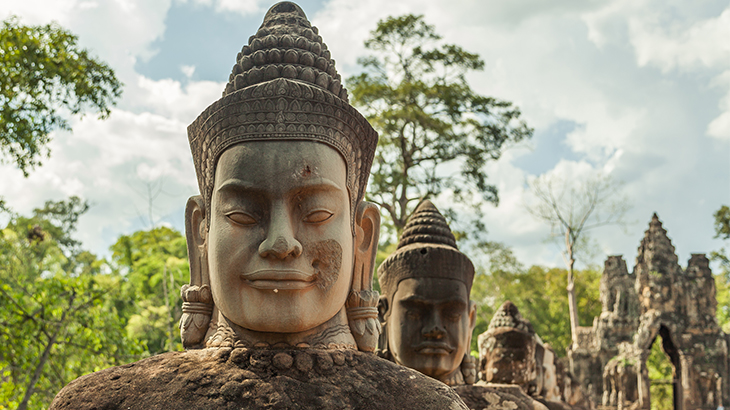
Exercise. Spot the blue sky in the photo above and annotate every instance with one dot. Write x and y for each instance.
(636, 89)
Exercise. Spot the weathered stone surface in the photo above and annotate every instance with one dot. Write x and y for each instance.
(223, 379)
(513, 356)
(507, 350)
(494, 397)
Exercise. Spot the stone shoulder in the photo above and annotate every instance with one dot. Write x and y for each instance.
(227, 378)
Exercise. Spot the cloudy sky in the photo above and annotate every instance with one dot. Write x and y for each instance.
(638, 89)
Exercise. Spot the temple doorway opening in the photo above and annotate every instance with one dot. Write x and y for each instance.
(664, 371)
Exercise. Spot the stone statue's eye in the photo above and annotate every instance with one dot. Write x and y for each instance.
(241, 218)
(318, 216)
(413, 314)
(453, 316)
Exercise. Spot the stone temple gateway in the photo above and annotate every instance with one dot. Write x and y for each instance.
(658, 298)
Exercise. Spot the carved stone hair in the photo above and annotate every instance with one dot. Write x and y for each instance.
(284, 86)
(427, 249)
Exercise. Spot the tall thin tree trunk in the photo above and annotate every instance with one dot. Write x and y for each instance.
(44, 358)
(167, 306)
(572, 304)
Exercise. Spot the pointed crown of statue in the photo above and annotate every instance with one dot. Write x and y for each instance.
(284, 86)
(508, 317)
(427, 249)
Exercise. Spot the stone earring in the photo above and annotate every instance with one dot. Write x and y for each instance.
(197, 308)
(469, 369)
(362, 316)
(197, 297)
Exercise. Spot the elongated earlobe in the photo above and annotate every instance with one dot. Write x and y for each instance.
(197, 298)
(362, 313)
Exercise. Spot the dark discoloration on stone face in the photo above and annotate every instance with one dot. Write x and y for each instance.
(326, 257)
(306, 171)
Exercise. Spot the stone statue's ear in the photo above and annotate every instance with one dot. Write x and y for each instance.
(367, 227)
(383, 308)
(197, 298)
(472, 316)
(469, 363)
(361, 311)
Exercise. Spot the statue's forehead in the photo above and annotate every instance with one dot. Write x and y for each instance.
(278, 164)
(432, 290)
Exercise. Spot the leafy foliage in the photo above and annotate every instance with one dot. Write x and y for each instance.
(722, 278)
(57, 316)
(414, 92)
(538, 292)
(155, 265)
(46, 77)
(660, 373)
(722, 222)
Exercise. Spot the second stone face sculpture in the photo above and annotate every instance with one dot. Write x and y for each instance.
(425, 308)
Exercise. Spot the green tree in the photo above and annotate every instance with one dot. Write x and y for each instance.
(155, 265)
(537, 292)
(46, 77)
(722, 278)
(661, 375)
(414, 92)
(57, 314)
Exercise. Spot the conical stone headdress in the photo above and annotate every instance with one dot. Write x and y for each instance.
(284, 86)
(427, 249)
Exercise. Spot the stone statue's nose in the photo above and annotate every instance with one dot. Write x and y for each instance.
(280, 248)
(434, 329)
(280, 242)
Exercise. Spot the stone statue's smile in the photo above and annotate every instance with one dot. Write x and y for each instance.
(286, 279)
(434, 348)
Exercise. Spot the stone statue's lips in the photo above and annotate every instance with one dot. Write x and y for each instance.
(279, 279)
(434, 348)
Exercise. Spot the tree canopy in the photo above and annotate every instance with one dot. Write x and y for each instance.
(154, 263)
(505, 278)
(415, 93)
(46, 78)
(58, 319)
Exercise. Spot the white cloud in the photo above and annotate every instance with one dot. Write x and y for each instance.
(645, 82)
(171, 99)
(243, 7)
(703, 43)
(188, 70)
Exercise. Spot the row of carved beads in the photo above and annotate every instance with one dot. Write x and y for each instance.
(285, 41)
(310, 75)
(288, 23)
(290, 56)
(319, 361)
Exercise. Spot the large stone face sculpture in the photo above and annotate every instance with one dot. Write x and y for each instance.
(426, 313)
(280, 311)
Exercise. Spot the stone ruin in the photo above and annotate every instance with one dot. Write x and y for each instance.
(658, 298)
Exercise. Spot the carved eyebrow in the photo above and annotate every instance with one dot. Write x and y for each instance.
(319, 184)
(418, 300)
